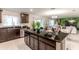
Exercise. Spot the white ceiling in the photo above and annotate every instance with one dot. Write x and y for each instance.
(68, 12)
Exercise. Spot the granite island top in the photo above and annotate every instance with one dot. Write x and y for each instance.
(56, 38)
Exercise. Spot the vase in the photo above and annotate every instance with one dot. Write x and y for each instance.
(38, 30)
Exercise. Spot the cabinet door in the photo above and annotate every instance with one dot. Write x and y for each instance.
(13, 33)
(17, 33)
(31, 42)
(26, 40)
(46, 44)
(35, 44)
(10, 33)
(3, 35)
(48, 47)
(41, 46)
(24, 18)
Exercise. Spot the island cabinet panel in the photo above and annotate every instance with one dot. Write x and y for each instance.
(31, 42)
(41, 46)
(48, 47)
(26, 39)
(45, 44)
(37, 43)
(34, 42)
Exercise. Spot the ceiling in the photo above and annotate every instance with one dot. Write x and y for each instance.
(60, 12)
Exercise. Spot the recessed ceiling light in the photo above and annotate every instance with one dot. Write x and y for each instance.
(31, 10)
(54, 16)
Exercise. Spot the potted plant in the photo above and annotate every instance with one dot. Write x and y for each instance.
(38, 27)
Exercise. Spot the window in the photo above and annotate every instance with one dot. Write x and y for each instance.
(16, 21)
(11, 20)
(51, 23)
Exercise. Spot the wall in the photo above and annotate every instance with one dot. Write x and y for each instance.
(5, 13)
(35, 17)
(31, 17)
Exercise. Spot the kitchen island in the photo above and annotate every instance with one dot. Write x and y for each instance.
(39, 41)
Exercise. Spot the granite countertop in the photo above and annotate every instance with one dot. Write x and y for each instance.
(3, 27)
(57, 38)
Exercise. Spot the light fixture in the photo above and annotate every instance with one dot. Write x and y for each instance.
(55, 12)
(54, 16)
(22, 14)
(31, 10)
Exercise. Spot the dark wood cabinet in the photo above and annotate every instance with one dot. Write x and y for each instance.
(24, 18)
(3, 35)
(7, 34)
(48, 47)
(37, 43)
(45, 44)
(26, 39)
(33, 42)
(0, 16)
(13, 33)
(41, 45)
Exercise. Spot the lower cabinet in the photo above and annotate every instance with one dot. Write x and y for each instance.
(48, 47)
(44, 44)
(26, 39)
(38, 43)
(7, 34)
(3, 35)
(33, 43)
(41, 45)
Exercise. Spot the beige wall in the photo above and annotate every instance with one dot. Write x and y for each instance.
(8, 13)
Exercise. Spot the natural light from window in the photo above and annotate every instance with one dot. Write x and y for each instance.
(11, 21)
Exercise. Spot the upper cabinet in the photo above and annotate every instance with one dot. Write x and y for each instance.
(0, 16)
(24, 18)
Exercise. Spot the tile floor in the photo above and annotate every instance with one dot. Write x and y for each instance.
(17, 44)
